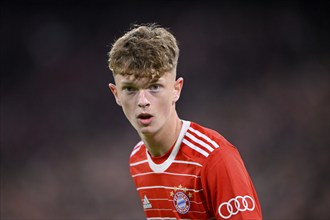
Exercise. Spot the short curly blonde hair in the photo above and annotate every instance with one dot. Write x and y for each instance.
(144, 51)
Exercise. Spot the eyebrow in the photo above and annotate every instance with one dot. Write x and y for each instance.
(130, 82)
(127, 83)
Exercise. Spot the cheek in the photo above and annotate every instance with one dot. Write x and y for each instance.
(127, 109)
(166, 103)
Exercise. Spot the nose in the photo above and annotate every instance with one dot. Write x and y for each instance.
(143, 101)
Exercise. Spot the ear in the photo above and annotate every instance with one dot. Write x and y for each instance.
(114, 91)
(177, 88)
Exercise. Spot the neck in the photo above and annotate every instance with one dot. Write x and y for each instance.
(161, 142)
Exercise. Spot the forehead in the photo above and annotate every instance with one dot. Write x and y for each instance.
(131, 79)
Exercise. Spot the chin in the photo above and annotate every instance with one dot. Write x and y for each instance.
(146, 131)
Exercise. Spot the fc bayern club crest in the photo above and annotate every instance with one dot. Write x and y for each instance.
(181, 201)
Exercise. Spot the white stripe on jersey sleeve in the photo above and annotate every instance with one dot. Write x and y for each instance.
(199, 142)
(137, 148)
(204, 136)
(192, 146)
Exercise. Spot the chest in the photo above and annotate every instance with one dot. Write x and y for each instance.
(177, 192)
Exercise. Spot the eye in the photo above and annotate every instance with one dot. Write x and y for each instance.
(154, 87)
(129, 89)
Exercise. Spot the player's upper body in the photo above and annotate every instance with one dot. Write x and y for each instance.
(211, 180)
(201, 177)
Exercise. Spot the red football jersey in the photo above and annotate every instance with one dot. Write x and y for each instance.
(202, 177)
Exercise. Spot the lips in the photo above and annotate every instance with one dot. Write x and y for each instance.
(144, 119)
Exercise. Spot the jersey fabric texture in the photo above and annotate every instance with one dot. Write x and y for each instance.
(201, 177)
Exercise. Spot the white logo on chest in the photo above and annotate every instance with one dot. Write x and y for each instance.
(146, 203)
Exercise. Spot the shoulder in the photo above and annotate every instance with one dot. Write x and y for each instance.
(138, 152)
(224, 155)
(202, 143)
(211, 136)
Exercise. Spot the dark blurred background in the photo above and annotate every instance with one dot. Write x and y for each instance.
(256, 72)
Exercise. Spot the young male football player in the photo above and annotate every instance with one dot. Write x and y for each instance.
(181, 169)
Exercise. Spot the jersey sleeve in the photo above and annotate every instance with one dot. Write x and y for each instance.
(229, 191)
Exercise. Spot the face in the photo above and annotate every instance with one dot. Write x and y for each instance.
(148, 105)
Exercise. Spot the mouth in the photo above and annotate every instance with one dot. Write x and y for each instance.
(144, 118)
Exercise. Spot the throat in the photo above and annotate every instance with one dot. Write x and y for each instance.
(162, 142)
(163, 158)
(157, 150)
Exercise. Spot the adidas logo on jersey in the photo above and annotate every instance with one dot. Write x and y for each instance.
(146, 203)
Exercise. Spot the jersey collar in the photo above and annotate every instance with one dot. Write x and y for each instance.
(158, 168)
